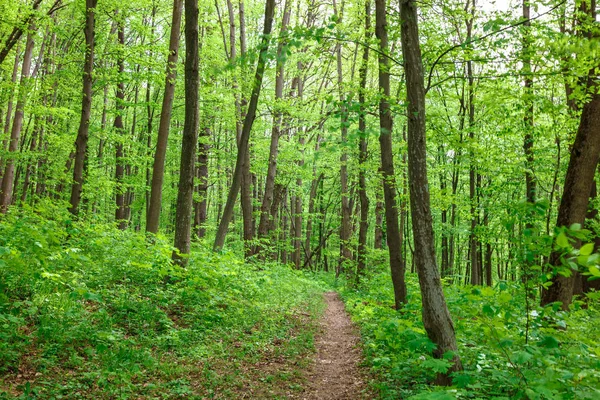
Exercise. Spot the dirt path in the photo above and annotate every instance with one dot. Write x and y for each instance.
(335, 373)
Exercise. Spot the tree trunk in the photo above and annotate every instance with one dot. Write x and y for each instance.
(15, 134)
(346, 211)
(577, 188)
(185, 192)
(121, 197)
(378, 239)
(362, 150)
(158, 168)
(436, 317)
(387, 160)
(201, 210)
(247, 127)
(263, 226)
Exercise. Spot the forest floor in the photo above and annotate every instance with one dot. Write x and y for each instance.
(336, 372)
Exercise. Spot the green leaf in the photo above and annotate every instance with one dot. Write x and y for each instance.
(549, 342)
(562, 241)
(586, 249)
(437, 365)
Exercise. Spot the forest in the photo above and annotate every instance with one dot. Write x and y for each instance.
(272, 199)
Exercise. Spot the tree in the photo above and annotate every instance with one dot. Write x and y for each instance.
(247, 127)
(387, 159)
(15, 134)
(158, 168)
(185, 192)
(436, 317)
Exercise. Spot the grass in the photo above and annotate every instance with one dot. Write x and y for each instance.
(92, 312)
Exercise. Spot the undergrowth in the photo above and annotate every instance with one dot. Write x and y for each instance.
(559, 360)
(88, 311)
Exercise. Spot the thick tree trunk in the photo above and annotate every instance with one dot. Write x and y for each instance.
(158, 168)
(362, 153)
(86, 108)
(387, 160)
(185, 193)
(15, 134)
(436, 317)
(247, 127)
(578, 186)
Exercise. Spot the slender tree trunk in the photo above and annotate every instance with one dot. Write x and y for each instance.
(362, 150)
(263, 225)
(387, 160)
(185, 193)
(202, 175)
(121, 198)
(247, 127)
(9, 109)
(158, 168)
(436, 317)
(346, 211)
(246, 184)
(476, 278)
(6, 196)
(378, 239)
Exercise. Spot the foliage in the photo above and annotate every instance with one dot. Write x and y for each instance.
(92, 312)
(558, 360)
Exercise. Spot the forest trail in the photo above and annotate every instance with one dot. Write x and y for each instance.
(335, 373)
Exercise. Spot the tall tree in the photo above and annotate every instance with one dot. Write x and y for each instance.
(121, 212)
(362, 151)
(247, 127)
(86, 106)
(585, 155)
(387, 158)
(263, 226)
(15, 134)
(185, 193)
(345, 208)
(436, 317)
(158, 168)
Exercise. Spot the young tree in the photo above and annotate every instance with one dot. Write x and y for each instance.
(247, 127)
(362, 152)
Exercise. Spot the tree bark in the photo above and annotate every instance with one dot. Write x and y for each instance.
(362, 153)
(201, 206)
(346, 211)
(247, 127)
(185, 193)
(577, 188)
(436, 317)
(15, 134)
(387, 159)
(263, 226)
(158, 168)
(121, 196)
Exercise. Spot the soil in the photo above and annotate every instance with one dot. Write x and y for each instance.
(336, 373)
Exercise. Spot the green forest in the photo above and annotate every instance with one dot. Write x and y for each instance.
(299, 199)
